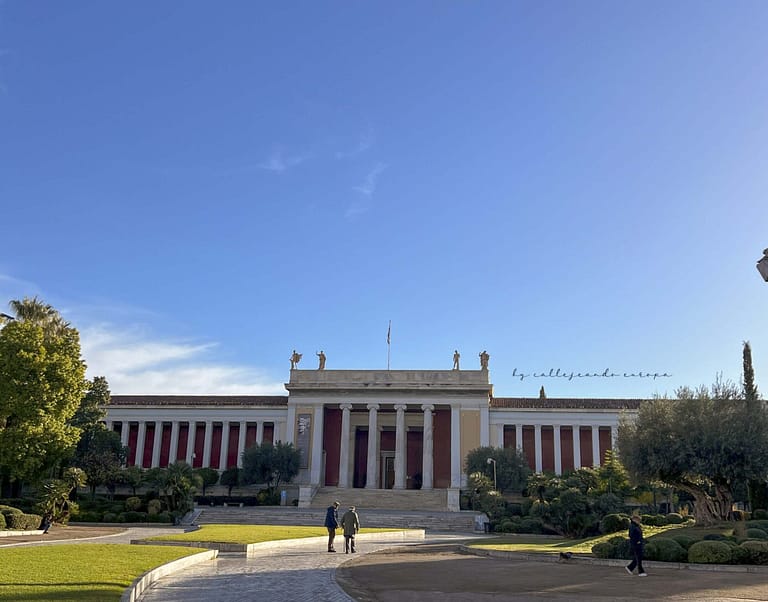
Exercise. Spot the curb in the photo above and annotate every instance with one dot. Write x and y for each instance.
(617, 562)
(144, 581)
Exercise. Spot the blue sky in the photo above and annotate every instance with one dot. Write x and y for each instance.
(203, 187)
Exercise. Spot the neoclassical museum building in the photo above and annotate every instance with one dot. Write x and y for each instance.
(375, 429)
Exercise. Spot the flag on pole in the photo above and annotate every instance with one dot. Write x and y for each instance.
(389, 332)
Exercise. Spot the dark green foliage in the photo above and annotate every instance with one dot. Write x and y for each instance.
(757, 551)
(665, 550)
(611, 523)
(714, 537)
(710, 552)
(684, 540)
(209, 476)
(757, 524)
(23, 522)
(270, 464)
(756, 534)
(2, 521)
(603, 550)
(109, 517)
(512, 469)
(760, 514)
(135, 517)
(673, 518)
(615, 547)
(230, 478)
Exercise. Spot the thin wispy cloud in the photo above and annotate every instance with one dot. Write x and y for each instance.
(366, 142)
(279, 162)
(135, 364)
(368, 187)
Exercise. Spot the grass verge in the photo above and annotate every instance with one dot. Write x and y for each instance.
(78, 572)
(245, 534)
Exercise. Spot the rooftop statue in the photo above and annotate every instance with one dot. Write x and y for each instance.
(484, 357)
(321, 358)
(295, 359)
(456, 358)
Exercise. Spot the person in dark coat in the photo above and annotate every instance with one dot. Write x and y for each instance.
(332, 523)
(636, 543)
(350, 522)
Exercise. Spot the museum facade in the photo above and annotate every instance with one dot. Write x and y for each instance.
(375, 429)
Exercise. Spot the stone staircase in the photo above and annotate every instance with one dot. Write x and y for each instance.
(383, 499)
(432, 520)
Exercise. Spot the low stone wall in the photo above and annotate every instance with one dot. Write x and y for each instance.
(252, 549)
(142, 583)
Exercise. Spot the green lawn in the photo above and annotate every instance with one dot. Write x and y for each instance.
(78, 571)
(553, 545)
(245, 534)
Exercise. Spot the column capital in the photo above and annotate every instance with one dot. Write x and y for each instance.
(345, 406)
(428, 407)
(372, 406)
(401, 406)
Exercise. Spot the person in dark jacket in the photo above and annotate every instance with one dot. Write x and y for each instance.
(636, 543)
(350, 522)
(332, 523)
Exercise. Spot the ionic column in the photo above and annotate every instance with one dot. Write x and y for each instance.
(207, 444)
(537, 446)
(125, 432)
(140, 441)
(576, 446)
(241, 442)
(500, 435)
(400, 442)
(485, 437)
(372, 468)
(456, 446)
(519, 437)
(224, 451)
(595, 446)
(192, 427)
(259, 432)
(110, 425)
(156, 442)
(614, 436)
(427, 461)
(344, 447)
(173, 453)
(558, 451)
(278, 434)
(317, 446)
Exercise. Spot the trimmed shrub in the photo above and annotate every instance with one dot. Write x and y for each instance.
(710, 552)
(673, 518)
(109, 517)
(739, 555)
(756, 534)
(2, 520)
(162, 517)
(647, 519)
(603, 550)
(757, 551)
(505, 526)
(665, 550)
(154, 507)
(612, 523)
(23, 522)
(135, 517)
(714, 537)
(88, 517)
(531, 525)
(132, 504)
(685, 540)
(757, 524)
(760, 514)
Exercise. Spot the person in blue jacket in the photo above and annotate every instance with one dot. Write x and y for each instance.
(332, 523)
(636, 543)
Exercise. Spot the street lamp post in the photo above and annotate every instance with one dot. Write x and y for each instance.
(762, 265)
(493, 461)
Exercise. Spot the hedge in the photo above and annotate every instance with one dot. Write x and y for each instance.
(757, 551)
(665, 550)
(709, 552)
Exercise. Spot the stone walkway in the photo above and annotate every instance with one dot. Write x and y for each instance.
(298, 573)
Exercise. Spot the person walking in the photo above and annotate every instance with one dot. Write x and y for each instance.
(332, 523)
(636, 543)
(350, 522)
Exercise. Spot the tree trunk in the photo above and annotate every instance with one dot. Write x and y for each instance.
(708, 510)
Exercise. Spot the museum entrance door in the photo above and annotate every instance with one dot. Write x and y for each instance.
(387, 471)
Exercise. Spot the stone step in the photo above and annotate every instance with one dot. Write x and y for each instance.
(393, 499)
(369, 517)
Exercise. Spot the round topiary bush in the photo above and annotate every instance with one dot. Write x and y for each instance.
(709, 552)
(757, 524)
(603, 550)
(132, 504)
(109, 517)
(611, 523)
(665, 550)
(531, 525)
(505, 526)
(756, 534)
(2, 520)
(154, 506)
(685, 540)
(760, 514)
(714, 537)
(673, 518)
(757, 551)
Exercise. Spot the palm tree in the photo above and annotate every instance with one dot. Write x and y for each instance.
(36, 311)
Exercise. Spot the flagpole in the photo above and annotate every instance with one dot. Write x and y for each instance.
(389, 333)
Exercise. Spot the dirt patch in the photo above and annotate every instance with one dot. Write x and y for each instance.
(60, 532)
